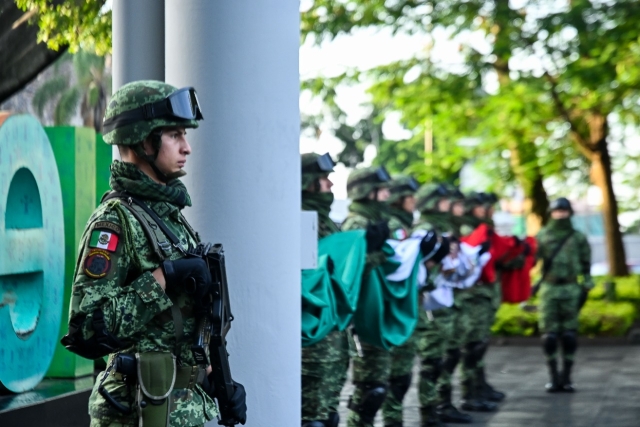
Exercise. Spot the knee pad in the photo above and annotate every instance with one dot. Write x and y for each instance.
(550, 343)
(399, 386)
(333, 421)
(451, 360)
(431, 369)
(569, 341)
(373, 395)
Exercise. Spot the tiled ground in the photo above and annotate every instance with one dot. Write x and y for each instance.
(607, 380)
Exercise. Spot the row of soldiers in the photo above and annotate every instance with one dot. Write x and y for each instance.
(444, 338)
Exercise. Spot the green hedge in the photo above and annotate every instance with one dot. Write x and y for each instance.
(605, 313)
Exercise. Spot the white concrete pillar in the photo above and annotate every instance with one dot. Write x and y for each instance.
(138, 41)
(244, 179)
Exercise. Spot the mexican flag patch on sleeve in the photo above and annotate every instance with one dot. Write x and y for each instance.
(104, 240)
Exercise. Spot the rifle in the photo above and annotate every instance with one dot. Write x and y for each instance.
(213, 328)
(546, 267)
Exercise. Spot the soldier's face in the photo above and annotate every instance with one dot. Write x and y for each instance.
(325, 184)
(173, 151)
(409, 204)
(458, 209)
(382, 195)
(480, 212)
(444, 205)
(560, 214)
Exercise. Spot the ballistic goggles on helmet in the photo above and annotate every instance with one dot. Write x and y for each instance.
(181, 105)
(439, 191)
(378, 177)
(322, 164)
(411, 185)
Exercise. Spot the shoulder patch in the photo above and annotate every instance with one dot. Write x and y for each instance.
(400, 234)
(105, 236)
(97, 263)
(107, 225)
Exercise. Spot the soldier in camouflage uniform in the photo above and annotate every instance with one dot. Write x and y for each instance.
(401, 206)
(129, 293)
(438, 346)
(324, 364)
(368, 190)
(475, 321)
(566, 255)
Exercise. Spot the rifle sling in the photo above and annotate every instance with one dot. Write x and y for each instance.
(556, 251)
(150, 222)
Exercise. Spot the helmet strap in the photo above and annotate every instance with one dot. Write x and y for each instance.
(156, 143)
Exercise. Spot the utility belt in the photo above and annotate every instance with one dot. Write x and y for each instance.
(155, 375)
(561, 281)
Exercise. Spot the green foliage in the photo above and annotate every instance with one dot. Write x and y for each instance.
(79, 24)
(601, 318)
(627, 289)
(561, 70)
(89, 91)
(511, 320)
(597, 318)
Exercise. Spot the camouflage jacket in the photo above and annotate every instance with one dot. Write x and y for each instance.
(114, 274)
(400, 223)
(439, 222)
(571, 262)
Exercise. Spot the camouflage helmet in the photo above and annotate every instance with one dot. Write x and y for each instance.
(455, 195)
(429, 195)
(139, 107)
(490, 199)
(362, 182)
(561, 204)
(401, 186)
(315, 166)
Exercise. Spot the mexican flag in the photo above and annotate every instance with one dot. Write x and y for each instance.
(104, 240)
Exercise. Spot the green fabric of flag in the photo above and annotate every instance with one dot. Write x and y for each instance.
(387, 311)
(330, 292)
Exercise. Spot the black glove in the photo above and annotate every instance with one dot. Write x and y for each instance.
(484, 247)
(376, 235)
(238, 403)
(584, 294)
(190, 274)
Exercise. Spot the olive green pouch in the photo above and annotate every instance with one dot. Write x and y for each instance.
(156, 379)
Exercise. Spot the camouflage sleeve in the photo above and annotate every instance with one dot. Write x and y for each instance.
(107, 277)
(584, 255)
(357, 222)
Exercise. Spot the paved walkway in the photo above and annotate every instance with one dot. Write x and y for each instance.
(607, 380)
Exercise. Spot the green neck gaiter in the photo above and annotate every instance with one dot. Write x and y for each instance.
(560, 226)
(406, 218)
(126, 177)
(370, 209)
(321, 203)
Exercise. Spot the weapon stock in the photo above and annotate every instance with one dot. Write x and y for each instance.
(213, 330)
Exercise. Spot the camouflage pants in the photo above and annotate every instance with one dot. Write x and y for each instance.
(435, 331)
(402, 358)
(477, 316)
(372, 367)
(559, 308)
(324, 372)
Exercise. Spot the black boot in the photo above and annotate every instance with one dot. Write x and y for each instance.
(472, 402)
(430, 418)
(565, 380)
(333, 421)
(450, 414)
(553, 386)
(486, 390)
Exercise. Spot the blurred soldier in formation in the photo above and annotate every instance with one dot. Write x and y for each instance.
(566, 256)
(324, 364)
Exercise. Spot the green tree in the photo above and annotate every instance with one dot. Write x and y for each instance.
(78, 24)
(577, 61)
(90, 91)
